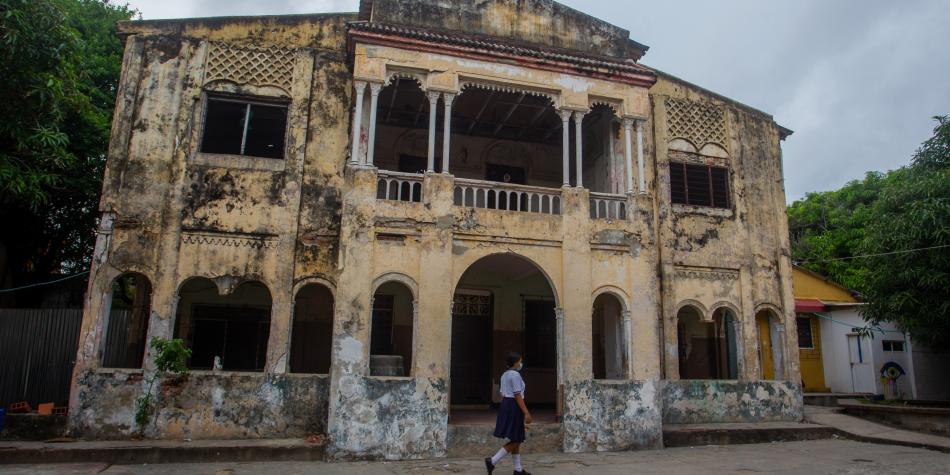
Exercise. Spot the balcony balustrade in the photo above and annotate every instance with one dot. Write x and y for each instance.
(505, 196)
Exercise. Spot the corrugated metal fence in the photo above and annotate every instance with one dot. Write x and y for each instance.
(37, 354)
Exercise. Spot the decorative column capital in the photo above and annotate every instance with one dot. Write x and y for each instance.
(626, 315)
(375, 87)
(559, 313)
(360, 86)
(565, 115)
(433, 96)
(579, 116)
(448, 97)
(628, 122)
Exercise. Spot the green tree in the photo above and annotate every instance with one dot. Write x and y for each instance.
(907, 280)
(827, 229)
(60, 62)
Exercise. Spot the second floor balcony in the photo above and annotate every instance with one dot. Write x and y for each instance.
(504, 150)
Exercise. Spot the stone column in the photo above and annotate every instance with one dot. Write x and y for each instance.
(447, 99)
(579, 150)
(628, 151)
(575, 292)
(357, 122)
(565, 146)
(374, 88)
(627, 344)
(643, 180)
(433, 101)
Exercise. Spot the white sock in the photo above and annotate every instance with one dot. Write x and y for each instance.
(498, 456)
(516, 459)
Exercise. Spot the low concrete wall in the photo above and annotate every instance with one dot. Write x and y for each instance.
(389, 418)
(935, 420)
(33, 427)
(711, 401)
(479, 440)
(612, 415)
(203, 405)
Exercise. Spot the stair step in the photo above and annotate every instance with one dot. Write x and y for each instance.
(689, 435)
(471, 440)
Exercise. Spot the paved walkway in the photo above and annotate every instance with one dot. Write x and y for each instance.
(829, 456)
(862, 429)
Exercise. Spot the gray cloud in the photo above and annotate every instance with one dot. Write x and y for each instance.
(858, 80)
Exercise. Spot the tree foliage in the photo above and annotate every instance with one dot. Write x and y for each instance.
(60, 60)
(899, 214)
(912, 289)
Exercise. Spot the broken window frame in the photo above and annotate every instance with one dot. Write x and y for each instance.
(247, 101)
(711, 189)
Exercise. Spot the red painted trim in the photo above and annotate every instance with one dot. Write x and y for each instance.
(644, 79)
(809, 305)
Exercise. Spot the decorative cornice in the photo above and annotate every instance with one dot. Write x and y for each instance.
(489, 49)
(705, 273)
(211, 238)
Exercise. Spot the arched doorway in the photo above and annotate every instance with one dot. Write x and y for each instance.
(502, 303)
(391, 332)
(770, 344)
(707, 349)
(127, 323)
(609, 346)
(230, 329)
(312, 334)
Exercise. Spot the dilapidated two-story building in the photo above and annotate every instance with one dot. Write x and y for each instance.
(350, 219)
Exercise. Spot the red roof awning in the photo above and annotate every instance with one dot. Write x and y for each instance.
(809, 305)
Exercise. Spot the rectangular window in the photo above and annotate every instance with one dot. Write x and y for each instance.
(240, 127)
(805, 339)
(893, 345)
(699, 185)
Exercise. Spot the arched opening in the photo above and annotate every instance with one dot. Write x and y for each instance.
(707, 349)
(227, 332)
(603, 158)
(609, 355)
(312, 333)
(390, 347)
(127, 323)
(401, 142)
(770, 344)
(502, 303)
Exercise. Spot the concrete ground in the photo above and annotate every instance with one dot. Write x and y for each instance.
(809, 457)
(862, 429)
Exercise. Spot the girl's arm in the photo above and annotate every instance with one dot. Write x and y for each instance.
(524, 408)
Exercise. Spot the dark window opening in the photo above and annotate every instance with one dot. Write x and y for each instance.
(232, 328)
(541, 325)
(127, 325)
(805, 339)
(893, 345)
(312, 334)
(237, 127)
(505, 174)
(390, 345)
(238, 335)
(415, 164)
(699, 185)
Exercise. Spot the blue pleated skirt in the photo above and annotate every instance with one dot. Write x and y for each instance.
(510, 422)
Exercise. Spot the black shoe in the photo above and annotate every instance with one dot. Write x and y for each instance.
(489, 466)
(521, 472)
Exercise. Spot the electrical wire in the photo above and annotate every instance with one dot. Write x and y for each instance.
(39, 284)
(879, 254)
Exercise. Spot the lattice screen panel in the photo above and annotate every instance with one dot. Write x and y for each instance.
(272, 66)
(695, 121)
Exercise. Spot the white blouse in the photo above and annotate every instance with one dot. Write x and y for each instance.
(511, 384)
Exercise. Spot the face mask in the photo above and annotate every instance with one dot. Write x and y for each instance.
(520, 367)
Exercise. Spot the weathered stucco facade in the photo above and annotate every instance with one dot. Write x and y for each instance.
(541, 94)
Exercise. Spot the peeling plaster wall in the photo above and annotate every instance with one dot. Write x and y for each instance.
(612, 415)
(204, 405)
(390, 418)
(708, 401)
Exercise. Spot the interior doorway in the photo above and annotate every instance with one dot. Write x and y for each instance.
(503, 303)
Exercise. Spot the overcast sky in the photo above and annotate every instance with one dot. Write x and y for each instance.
(857, 80)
